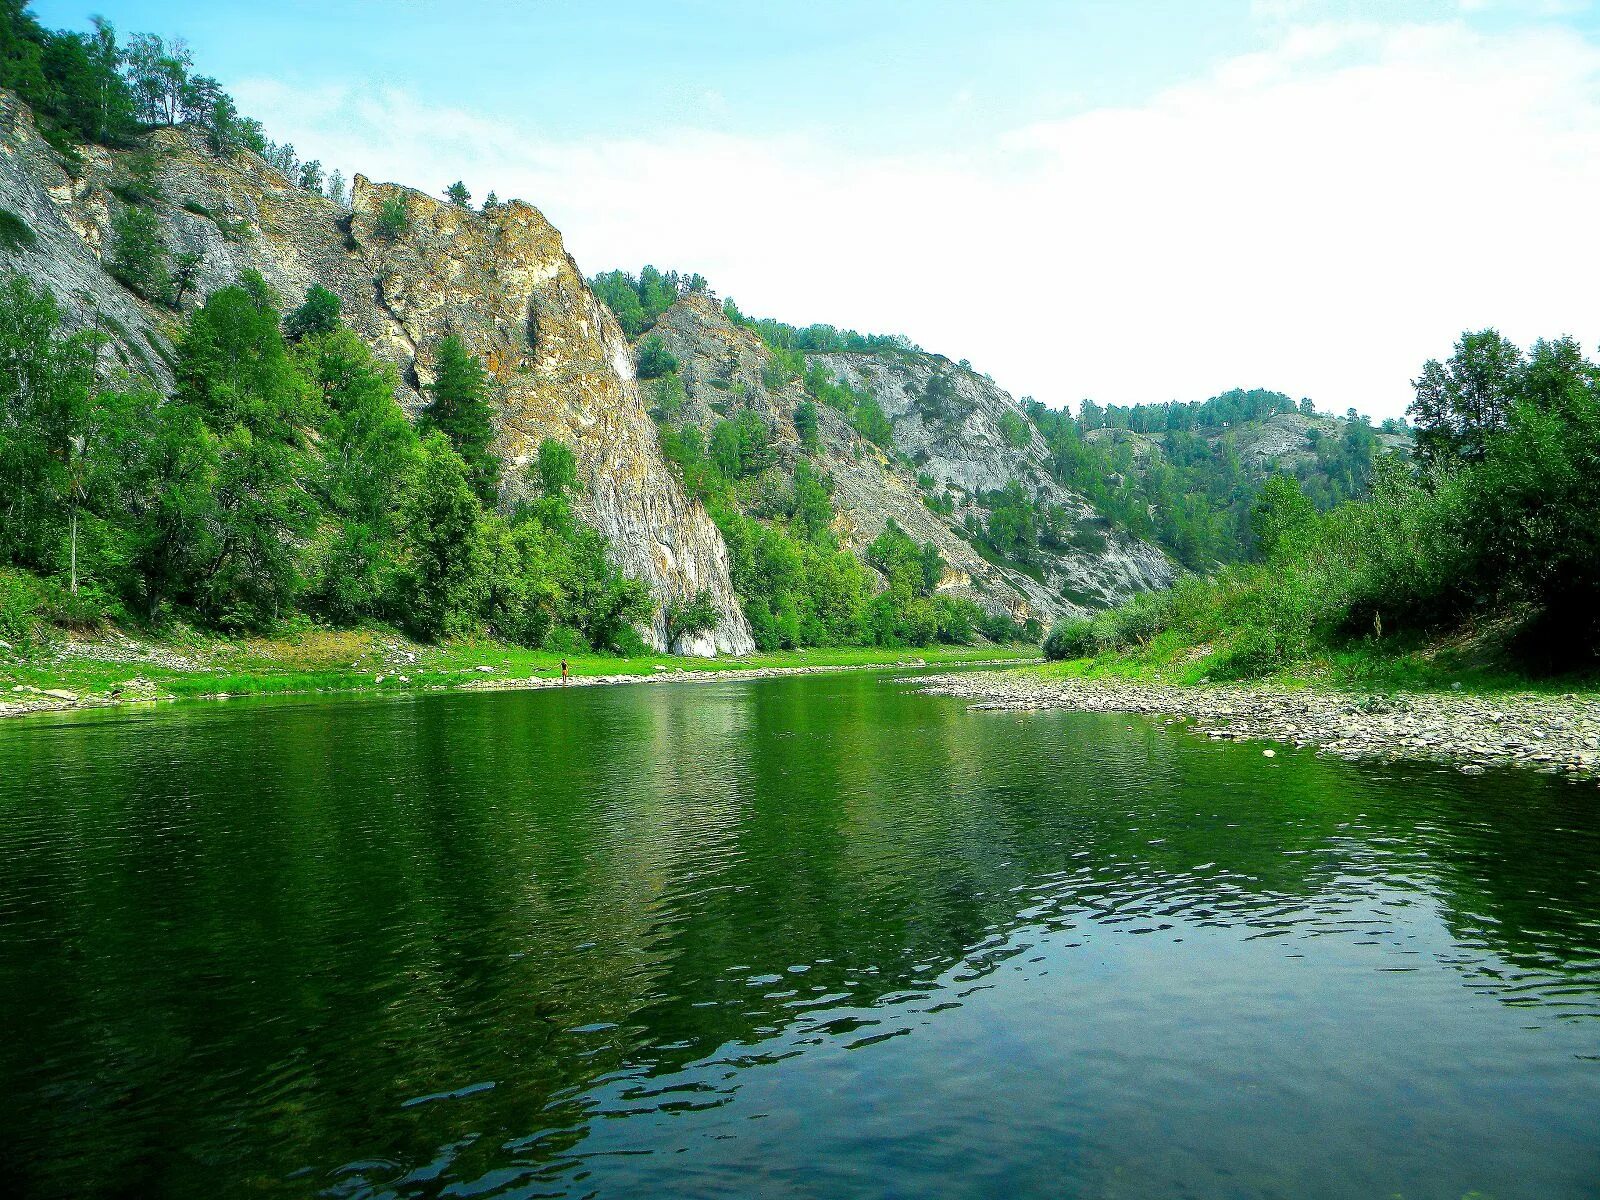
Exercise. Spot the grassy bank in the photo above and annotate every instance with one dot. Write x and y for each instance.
(115, 667)
(1473, 661)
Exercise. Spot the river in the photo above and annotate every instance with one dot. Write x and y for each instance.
(805, 937)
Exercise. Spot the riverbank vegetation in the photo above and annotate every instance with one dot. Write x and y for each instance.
(1481, 554)
(189, 664)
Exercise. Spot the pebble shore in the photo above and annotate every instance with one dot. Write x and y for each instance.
(1555, 734)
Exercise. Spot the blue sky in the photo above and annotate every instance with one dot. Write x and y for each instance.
(1135, 201)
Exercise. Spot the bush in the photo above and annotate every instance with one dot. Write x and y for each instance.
(15, 233)
(655, 360)
(393, 218)
(19, 608)
(139, 256)
(1139, 620)
(688, 617)
(1071, 638)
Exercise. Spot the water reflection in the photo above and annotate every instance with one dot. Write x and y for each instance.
(809, 937)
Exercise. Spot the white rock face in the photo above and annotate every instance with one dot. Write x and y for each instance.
(960, 443)
(503, 282)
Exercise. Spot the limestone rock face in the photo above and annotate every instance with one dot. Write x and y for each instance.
(962, 449)
(502, 282)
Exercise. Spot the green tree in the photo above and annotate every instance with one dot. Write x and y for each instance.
(805, 424)
(1459, 403)
(45, 382)
(812, 513)
(317, 315)
(442, 581)
(235, 370)
(458, 195)
(1013, 525)
(558, 468)
(158, 72)
(1280, 515)
(139, 256)
(370, 456)
(911, 569)
(168, 493)
(460, 409)
(655, 360)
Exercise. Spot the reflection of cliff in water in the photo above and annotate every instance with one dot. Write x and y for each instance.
(327, 912)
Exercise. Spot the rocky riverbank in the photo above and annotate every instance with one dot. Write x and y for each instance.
(1549, 733)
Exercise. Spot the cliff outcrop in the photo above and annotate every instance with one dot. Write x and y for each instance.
(501, 281)
(953, 458)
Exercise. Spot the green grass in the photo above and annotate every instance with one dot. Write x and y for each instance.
(354, 661)
(1471, 661)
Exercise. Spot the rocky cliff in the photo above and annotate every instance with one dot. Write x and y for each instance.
(960, 449)
(501, 281)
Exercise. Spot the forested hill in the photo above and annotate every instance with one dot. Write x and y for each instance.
(1186, 475)
(806, 441)
(1182, 475)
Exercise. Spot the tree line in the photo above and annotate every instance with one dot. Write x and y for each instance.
(1193, 497)
(92, 89)
(1490, 526)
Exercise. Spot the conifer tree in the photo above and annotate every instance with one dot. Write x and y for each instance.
(461, 411)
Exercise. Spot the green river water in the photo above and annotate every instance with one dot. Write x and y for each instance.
(806, 937)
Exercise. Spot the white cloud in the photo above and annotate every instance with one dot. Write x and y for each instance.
(1318, 217)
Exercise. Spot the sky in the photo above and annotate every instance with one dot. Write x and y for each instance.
(1129, 200)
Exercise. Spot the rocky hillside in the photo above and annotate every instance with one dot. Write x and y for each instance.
(1281, 442)
(955, 441)
(501, 281)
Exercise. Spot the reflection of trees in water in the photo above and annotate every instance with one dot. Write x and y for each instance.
(324, 911)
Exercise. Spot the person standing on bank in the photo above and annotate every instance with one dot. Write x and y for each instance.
(563, 671)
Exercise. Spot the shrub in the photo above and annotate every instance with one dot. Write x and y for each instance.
(393, 218)
(688, 617)
(1070, 638)
(1139, 620)
(655, 360)
(19, 607)
(15, 233)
